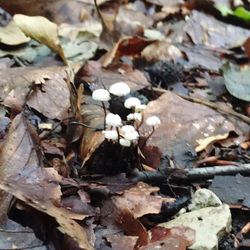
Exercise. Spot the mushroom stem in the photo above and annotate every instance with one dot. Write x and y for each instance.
(105, 114)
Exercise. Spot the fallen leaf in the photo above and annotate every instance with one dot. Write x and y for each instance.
(42, 30)
(139, 200)
(122, 242)
(237, 81)
(22, 176)
(206, 30)
(50, 95)
(93, 116)
(31, 53)
(98, 77)
(203, 143)
(14, 235)
(12, 35)
(184, 123)
(127, 46)
(133, 227)
(176, 238)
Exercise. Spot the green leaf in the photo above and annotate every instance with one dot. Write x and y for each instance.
(237, 81)
(242, 13)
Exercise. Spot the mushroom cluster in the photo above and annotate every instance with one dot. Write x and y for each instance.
(115, 129)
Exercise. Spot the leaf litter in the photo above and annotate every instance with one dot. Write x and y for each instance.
(99, 192)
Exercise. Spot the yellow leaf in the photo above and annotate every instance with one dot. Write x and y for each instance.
(42, 30)
(12, 35)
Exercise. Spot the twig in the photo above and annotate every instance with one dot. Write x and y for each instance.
(86, 126)
(227, 111)
(189, 175)
(209, 172)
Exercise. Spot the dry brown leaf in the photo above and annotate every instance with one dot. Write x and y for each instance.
(42, 30)
(176, 238)
(22, 176)
(51, 98)
(184, 123)
(92, 72)
(126, 46)
(93, 116)
(139, 200)
(133, 227)
(122, 242)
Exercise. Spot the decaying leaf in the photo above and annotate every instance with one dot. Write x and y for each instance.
(22, 176)
(50, 93)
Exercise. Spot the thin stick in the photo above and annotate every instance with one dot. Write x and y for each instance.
(209, 172)
(86, 126)
(105, 114)
(227, 111)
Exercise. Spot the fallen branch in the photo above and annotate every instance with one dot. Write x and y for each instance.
(189, 175)
(209, 172)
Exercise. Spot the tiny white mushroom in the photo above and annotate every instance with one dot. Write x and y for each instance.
(140, 108)
(127, 128)
(111, 135)
(131, 135)
(132, 102)
(153, 121)
(113, 120)
(101, 95)
(119, 89)
(125, 142)
(134, 117)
